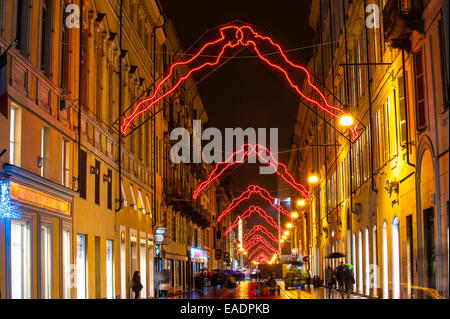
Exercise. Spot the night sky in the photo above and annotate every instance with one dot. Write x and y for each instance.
(245, 93)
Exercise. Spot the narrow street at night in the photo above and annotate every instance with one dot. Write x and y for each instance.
(246, 290)
(255, 155)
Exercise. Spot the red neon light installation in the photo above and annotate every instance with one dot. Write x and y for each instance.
(262, 229)
(259, 240)
(235, 36)
(251, 210)
(261, 258)
(258, 249)
(245, 151)
(252, 189)
(261, 255)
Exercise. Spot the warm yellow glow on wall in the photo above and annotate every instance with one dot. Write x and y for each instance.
(30, 196)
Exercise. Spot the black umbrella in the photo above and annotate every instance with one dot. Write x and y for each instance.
(335, 255)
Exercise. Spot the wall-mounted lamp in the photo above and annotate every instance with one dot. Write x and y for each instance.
(95, 170)
(107, 178)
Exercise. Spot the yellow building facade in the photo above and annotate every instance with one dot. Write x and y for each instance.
(88, 214)
(384, 202)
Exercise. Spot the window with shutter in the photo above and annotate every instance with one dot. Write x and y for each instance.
(402, 107)
(420, 91)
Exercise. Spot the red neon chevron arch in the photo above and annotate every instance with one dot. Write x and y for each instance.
(232, 36)
(262, 258)
(261, 229)
(259, 240)
(258, 249)
(252, 190)
(250, 211)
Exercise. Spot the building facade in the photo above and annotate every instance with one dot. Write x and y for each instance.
(91, 201)
(381, 200)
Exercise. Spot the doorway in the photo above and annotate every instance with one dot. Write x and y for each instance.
(429, 245)
(410, 254)
(395, 259)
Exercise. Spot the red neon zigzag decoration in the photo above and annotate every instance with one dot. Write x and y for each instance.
(255, 238)
(239, 36)
(262, 257)
(259, 240)
(252, 189)
(245, 151)
(260, 248)
(250, 242)
(251, 210)
(262, 229)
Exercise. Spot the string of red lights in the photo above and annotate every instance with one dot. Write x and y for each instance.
(250, 211)
(259, 240)
(258, 249)
(231, 37)
(260, 228)
(251, 190)
(262, 258)
(244, 152)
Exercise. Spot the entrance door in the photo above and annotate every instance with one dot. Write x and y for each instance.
(20, 260)
(429, 245)
(410, 253)
(143, 270)
(133, 262)
(155, 277)
(98, 282)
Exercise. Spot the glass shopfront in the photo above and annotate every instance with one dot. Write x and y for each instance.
(21, 277)
(81, 267)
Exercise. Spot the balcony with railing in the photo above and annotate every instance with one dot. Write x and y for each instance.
(400, 19)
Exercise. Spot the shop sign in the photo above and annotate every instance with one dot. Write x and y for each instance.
(198, 255)
(33, 197)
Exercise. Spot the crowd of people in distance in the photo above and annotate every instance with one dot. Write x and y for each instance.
(216, 279)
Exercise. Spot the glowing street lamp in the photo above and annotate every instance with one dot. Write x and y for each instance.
(313, 179)
(281, 240)
(301, 203)
(289, 225)
(245, 253)
(284, 237)
(346, 120)
(287, 232)
(294, 215)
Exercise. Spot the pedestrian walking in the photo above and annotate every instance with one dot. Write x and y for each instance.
(199, 283)
(330, 278)
(349, 279)
(136, 285)
(308, 278)
(340, 278)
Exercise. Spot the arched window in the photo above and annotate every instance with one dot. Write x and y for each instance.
(376, 272)
(366, 261)
(354, 256)
(360, 263)
(385, 263)
(349, 247)
(395, 259)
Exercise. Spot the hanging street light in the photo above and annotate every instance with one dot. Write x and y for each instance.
(346, 120)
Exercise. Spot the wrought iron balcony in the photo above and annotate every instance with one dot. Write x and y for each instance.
(400, 19)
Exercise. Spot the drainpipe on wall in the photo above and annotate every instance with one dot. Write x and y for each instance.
(369, 88)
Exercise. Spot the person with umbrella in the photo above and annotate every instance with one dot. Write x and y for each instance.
(340, 277)
(349, 279)
(330, 278)
(330, 274)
